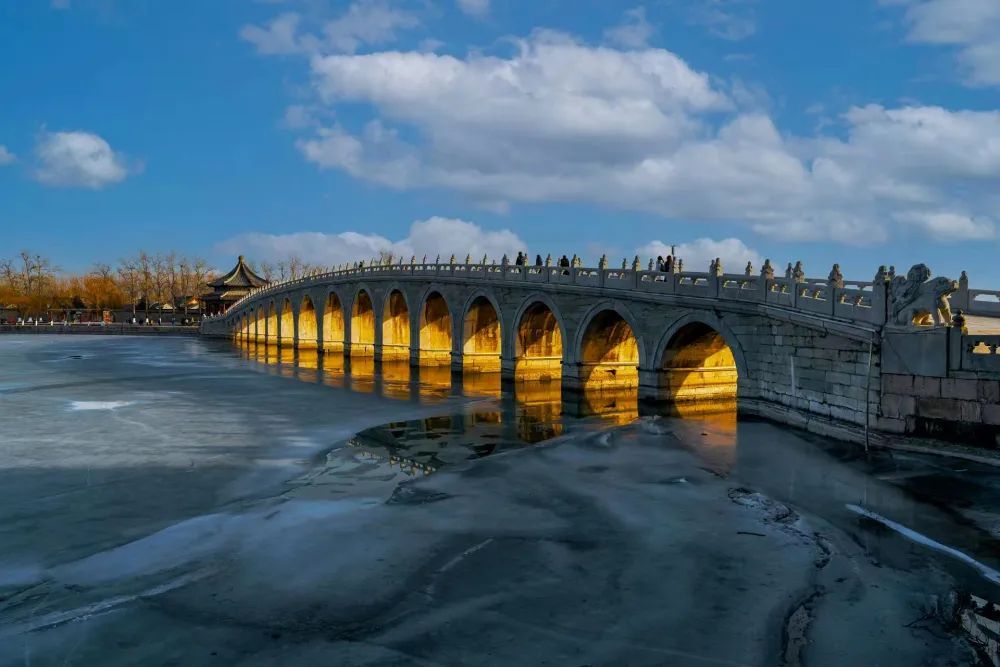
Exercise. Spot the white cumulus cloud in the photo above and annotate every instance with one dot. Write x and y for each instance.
(970, 26)
(431, 237)
(559, 120)
(78, 159)
(634, 32)
(477, 8)
(6, 157)
(364, 22)
(698, 254)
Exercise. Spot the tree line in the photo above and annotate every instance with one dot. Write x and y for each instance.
(32, 285)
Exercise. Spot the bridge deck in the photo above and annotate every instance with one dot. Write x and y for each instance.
(982, 324)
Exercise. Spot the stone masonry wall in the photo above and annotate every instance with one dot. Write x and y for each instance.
(962, 409)
(821, 375)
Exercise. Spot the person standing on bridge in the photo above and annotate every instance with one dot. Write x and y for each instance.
(564, 262)
(538, 260)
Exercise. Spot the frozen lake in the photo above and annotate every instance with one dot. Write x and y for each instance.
(186, 502)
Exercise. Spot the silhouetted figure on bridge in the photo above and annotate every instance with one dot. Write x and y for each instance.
(538, 260)
(564, 261)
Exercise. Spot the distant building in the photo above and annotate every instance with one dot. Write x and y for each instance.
(230, 288)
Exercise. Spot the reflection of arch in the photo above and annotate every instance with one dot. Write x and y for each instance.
(271, 324)
(362, 325)
(538, 340)
(435, 331)
(481, 335)
(286, 329)
(609, 351)
(396, 327)
(698, 361)
(333, 323)
(308, 332)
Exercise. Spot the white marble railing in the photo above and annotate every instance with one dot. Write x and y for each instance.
(859, 301)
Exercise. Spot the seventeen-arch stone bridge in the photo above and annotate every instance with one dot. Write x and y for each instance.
(822, 354)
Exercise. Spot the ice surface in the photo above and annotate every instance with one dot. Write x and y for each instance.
(230, 515)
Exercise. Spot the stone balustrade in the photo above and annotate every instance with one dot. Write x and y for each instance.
(857, 301)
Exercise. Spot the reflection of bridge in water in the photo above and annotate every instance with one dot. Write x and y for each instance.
(510, 415)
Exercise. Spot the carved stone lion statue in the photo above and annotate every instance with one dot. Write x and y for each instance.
(920, 300)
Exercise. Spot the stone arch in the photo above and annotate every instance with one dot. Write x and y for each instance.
(395, 325)
(308, 330)
(537, 339)
(435, 329)
(286, 325)
(699, 359)
(333, 323)
(271, 324)
(363, 324)
(482, 334)
(609, 347)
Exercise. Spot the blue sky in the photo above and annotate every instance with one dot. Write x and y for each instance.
(861, 132)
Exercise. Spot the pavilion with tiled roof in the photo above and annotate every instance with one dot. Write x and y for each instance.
(230, 288)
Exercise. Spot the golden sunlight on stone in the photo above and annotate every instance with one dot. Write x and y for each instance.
(362, 326)
(308, 334)
(396, 328)
(610, 354)
(333, 324)
(481, 334)
(539, 346)
(698, 365)
(286, 329)
(435, 332)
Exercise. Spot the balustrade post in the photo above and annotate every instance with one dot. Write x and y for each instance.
(961, 299)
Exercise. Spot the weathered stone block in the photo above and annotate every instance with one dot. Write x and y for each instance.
(963, 389)
(928, 387)
(896, 405)
(819, 408)
(846, 415)
(897, 384)
(890, 425)
(990, 414)
(988, 391)
(939, 408)
(839, 378)
(972, 411)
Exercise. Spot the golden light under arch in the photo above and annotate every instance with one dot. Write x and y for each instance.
(333, 324)
(395, 327)
(481, 337)
(271, 325)
(308, 338)
(259, 326)
(609, 353)
(538, 345)
(286, 329)
(363, 326)
(435, 331)
(698, 366)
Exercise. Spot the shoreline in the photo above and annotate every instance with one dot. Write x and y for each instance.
(114, 329)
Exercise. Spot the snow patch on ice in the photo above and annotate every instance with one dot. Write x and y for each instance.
(99, 405)
(985, 570)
